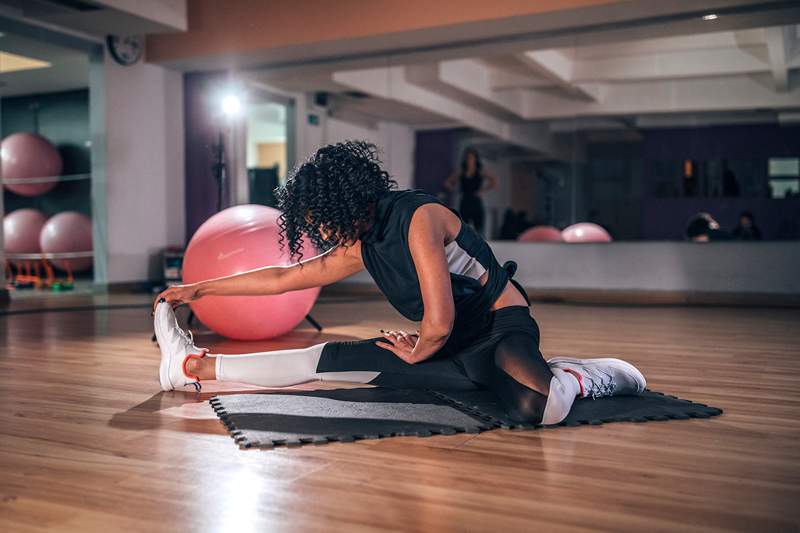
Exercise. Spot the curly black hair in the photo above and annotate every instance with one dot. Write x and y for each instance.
(335, 189)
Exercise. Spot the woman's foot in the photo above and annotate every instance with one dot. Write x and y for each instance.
(177, 348)
(602, 377)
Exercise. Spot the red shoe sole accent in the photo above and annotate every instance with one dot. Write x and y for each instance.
(186, 360)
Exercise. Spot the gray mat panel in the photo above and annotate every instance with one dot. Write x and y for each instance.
(266, 420)
(304, 417)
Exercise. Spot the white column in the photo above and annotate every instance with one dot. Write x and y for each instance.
(143, 182)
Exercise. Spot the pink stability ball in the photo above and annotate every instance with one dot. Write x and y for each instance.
(541, 234)
(68, 232)
(21, 229)
(585, 232)
(27, 156)
(235, 240)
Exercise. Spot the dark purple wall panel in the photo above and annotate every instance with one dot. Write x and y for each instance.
(202, 133)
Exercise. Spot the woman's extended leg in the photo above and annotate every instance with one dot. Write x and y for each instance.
(280, 368)
(183, 363)
(352, 361)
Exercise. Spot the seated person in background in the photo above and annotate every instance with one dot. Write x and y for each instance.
(703, 228)
(514, 223)
(747, 229)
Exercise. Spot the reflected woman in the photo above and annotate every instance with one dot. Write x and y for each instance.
(471, 181)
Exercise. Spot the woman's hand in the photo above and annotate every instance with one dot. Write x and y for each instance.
(451, 182)
(178, 295)
(402, 344)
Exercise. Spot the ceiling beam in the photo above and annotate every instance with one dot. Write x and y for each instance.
(673, 43)
(558, 68)
(397, 83)
(676, 64)
(466, 81)
(730, 93)
(502, 80)
(777, 48)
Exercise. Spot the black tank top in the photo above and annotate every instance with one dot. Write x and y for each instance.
(387, 258)
(470, 185)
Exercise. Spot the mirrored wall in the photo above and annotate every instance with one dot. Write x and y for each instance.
(46, 164)
(677, 130)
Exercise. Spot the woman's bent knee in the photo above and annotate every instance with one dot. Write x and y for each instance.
(528, 408)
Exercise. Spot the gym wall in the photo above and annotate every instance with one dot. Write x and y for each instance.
(142, 146)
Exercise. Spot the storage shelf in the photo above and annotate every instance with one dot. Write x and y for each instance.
(34, 257)
(47, 179)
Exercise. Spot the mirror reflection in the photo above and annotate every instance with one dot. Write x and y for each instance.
(691, 135)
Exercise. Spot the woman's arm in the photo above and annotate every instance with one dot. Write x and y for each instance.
(426, 237)
(451, 182)
(490, 181)
(324, 269)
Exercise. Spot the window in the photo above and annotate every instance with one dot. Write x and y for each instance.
(784, 177)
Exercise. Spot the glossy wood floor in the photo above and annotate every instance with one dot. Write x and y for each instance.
(88, 443)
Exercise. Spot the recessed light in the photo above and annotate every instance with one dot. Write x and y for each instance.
(12, 62)
(710, 16)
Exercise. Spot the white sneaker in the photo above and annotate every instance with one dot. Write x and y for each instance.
(602, 377)
(177, 346)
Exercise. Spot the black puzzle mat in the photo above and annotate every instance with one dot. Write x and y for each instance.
(265, 420)
(646, 407)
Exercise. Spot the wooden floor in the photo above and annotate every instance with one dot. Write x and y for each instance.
(88, 443)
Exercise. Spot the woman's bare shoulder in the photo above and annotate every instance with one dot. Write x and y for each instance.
(435, 217)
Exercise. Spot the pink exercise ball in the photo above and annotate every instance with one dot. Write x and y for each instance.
(68, 232)
(25, 156)
(585, 232)
(541, 234)
(235, 240)
(21, 229)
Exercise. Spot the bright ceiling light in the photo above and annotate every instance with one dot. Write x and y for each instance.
(710, 16)
(231, 105)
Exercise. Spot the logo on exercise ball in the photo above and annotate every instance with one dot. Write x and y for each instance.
(225, 255)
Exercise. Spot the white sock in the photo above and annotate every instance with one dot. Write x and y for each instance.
(282, 368)
(564, 388)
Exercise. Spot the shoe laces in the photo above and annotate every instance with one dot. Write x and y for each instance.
(187, 336)
(600, 384)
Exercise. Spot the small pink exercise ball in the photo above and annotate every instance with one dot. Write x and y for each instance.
(585, 232)
(26, 156)
(235, 240)
(541, 234)
(21, 229)
(68, 232)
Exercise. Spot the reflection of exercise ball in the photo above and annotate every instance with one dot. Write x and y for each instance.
(541, 234)
(21, 229)
(68, 232)
(585, 232)
(28, 156)
(235, 240)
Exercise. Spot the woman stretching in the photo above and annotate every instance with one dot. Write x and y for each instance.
(476, 330)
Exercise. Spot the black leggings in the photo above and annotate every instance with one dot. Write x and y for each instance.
(471, 211)
(500, 353)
